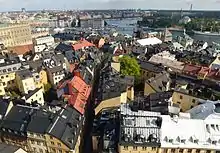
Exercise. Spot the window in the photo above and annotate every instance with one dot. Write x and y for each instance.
(34, 149)
(51, 137)
(208, 151)
(41, 150)
(180, 150)
(189, 150)
(14, 68)
(144, 148)
(2, 77)
(9, 69)
(59, 151)
(154, 148)
(193, 100)
(178, 102)
(172, 150)
(32, 141)
(125, 147)
(52, 142)
(53, 150)
(135, 148)
(197, 151)
(4, 70)
(165, 150)
(38, 143)
(181, 97)
(59, 144)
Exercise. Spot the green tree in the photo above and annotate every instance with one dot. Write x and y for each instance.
(129, 66)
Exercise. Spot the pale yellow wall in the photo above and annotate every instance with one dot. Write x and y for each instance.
(36, 142)
(7, 82)
(43, 76)
(140, 149)
(133, 149)
(115, 66)
(42, 81)
(16, 34)
(123, 98)
(130, 93)
(57, 144)
(2, 90)
(184, 101)
(25, 85)
(148, 89)
(178, 150)
(38, 96)
(114, 102)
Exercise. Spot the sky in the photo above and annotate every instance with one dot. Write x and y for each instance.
(14, 5)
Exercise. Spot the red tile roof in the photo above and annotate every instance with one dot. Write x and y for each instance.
(78, 85)
(78, 101)
(191, 69)
(214, 74)
(82, 44)
(21, 50)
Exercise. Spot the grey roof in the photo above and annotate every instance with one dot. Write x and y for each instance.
(18, 119)
(35, 64)
(111, 84)
(56, 69)
(207, 110)
(6, 148)
(152, 67)
(66, 126)
(24, 74)
(3, 107)
(41, 118)
(140, 127)
(159, 82)
(156, 102)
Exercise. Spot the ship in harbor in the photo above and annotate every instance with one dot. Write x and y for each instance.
(207, 33)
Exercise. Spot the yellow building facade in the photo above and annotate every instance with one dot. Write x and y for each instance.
(15, 34)
(7, 81)
(185, 101)
(41, 79)
(147, 149)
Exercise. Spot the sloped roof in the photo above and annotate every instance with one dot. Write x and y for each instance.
(82, 44)
(21, 50)
(149, 41)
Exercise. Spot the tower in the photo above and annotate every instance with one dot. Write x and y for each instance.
(191, 7)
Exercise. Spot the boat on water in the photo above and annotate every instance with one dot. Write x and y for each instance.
(207, 33)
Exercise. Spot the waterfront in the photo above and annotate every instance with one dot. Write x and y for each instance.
(127, 26)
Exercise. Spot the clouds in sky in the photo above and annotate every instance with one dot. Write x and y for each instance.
(107, 4)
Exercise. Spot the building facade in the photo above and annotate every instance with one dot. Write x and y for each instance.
(15, 34)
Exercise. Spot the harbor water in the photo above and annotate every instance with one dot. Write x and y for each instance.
(127, 26)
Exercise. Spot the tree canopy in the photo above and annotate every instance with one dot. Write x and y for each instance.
(129, 66)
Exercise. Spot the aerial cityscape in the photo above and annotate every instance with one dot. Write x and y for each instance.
(109, 76)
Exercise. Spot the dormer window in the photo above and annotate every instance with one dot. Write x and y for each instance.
(170, 140)
(183, 140)
(214, 142)
(196, 141)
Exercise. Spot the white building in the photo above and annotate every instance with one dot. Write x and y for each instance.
(149, 41)
(201, 130)
(43, 43)
(48, 40)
